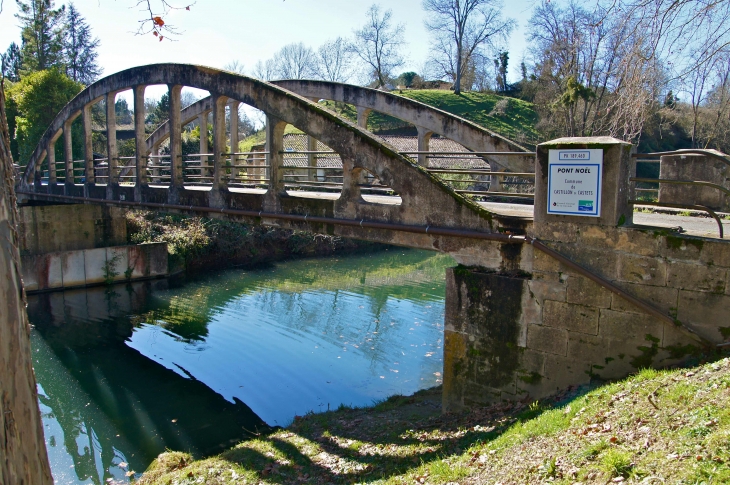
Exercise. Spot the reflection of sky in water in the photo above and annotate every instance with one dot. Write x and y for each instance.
(288, 353)
(300, 336)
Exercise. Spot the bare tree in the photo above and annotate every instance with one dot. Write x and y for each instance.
(334, 60)
(265, 70)
(295, 61)
(378, 44)
(460, 29)
(154, 13)
(697, 86)
(235, 66)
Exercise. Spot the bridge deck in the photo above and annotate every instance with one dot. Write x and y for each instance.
(669, 218)
(692, 225)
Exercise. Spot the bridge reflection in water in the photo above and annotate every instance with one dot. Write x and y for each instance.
(128, 371)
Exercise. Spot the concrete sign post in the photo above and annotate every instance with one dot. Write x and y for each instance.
(575, 179)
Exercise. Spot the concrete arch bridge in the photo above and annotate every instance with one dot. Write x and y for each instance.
(423, 200)
(540, 302)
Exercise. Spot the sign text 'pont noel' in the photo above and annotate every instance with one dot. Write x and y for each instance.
(574, 182)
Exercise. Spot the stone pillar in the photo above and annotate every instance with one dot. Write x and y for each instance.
(111, 139)
(349, 202)
(203, 124)
(176, 161)
(311, 158)
(219, 140)
(484, 330)
(424, 138)
(38, 172)
(617, 168)
(51, 154)
(233, 113)
(695, 167)
(88, 147)
(508, 336)
(362, 117)
(275, 160)
(495, 182)
(68, 152)
(140, 137)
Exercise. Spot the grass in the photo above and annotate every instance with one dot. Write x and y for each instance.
(510, 117)
(654, 427)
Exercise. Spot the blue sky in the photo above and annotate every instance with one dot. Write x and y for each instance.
(215, 33)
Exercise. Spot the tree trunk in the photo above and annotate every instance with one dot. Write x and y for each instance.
(23, 457)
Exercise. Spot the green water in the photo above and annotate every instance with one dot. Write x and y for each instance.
(128, 371)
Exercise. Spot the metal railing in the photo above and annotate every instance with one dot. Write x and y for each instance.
(467, 173)
(468, 180)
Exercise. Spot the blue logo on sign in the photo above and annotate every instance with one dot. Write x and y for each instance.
(585, 206)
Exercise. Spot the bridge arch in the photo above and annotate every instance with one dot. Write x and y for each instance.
(427, 119)
(426, 201)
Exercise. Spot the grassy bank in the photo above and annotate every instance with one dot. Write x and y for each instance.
(197, 243)
(510, 117)
(655, 427)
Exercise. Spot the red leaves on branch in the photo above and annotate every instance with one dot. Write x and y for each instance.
(158, 21)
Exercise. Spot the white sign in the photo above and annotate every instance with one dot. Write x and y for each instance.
(574, 182)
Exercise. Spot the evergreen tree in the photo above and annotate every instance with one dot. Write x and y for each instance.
(42, 34)
(80, 48)
(161, 112)
(11, 63)
(39, 97)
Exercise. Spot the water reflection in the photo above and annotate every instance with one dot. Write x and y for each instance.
(128, 371)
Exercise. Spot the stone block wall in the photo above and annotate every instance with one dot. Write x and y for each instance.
(530, 333)
(695, 167)
(508, 337)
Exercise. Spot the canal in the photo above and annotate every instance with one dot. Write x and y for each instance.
(127, 371)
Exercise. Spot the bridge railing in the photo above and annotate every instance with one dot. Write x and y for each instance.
(472, 174)
(246, 169)
(685, 169)
(466, 172)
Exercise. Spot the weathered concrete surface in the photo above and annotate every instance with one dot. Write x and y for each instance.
(695, 167)
(425, 200)
(66, 227)
(89, 267)
(557, 328)
(427, 119)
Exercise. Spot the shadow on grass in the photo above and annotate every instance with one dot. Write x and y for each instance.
(356, 445)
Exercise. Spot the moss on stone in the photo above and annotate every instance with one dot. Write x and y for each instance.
(675, 242)
(680, 351)
(531, 378)
(648, 354)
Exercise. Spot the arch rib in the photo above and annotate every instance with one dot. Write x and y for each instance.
(426, 200)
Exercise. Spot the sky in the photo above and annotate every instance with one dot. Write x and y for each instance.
(215, 32)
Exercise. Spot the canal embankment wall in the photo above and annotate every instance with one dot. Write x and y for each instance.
(526, 334)
(70, 246)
